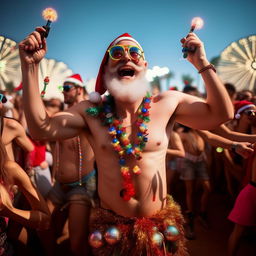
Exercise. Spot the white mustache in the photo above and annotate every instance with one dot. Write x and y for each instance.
(124, 63)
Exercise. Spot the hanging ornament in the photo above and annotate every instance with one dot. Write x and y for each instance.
(112, 235)
(171, 233)
(157, 239)
(95, 239)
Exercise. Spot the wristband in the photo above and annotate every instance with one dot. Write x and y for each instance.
(210, 66)
(233, 147)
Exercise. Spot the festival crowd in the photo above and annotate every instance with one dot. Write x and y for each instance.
(127, 169)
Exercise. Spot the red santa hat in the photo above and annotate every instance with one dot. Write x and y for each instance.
(76, 79)
(241, 106)
(18, 88)
(99, 81)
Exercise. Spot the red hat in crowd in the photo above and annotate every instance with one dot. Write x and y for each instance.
(99, 81)
(20, 87)
(76, 79)
(240, 106)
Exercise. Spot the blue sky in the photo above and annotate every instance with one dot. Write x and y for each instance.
(85, 28)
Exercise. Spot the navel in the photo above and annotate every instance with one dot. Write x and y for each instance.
(103, 147)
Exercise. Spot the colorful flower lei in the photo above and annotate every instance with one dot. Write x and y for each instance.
(119, 139)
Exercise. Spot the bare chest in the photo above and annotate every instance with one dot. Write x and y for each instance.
(157, 137)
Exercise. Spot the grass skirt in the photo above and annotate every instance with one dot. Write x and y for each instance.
(137, 235)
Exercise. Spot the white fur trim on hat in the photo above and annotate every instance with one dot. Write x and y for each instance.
(75, 81)
(126, 38)
(240, 110)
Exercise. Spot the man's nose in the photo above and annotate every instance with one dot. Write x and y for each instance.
(126, 55)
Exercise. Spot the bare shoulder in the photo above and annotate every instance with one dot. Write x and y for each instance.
(169, 97)
(11, 167)
(15, 172)
(167, 101)
(12, 124)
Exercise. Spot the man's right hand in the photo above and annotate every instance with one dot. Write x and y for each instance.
(33, 48)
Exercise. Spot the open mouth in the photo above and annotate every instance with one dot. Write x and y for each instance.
(126, 72)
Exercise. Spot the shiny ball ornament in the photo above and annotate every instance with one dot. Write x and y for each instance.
(171, 233)
(96, 239)
(112, 235)
(157, 239)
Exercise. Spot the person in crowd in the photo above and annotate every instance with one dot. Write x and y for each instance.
(245, 95)
(174, 152)
(37, 217)
(129, 132)
(53, 105)
(243, 214)
(11, 130)
(231, 89)
(75, 178)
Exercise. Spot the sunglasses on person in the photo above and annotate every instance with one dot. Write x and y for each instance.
(67, 87)
(250, 112)
(117, 52)
(3, 99)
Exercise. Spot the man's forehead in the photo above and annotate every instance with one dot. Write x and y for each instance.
(70, 83)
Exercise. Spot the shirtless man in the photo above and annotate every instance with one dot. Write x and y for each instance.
(75, 178)
(135, 199)
(194, 168)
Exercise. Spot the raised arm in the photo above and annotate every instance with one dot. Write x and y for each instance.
(217, 108)
(39, 216)
(64, 125)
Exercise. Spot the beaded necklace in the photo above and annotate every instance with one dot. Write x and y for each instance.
(120, 141)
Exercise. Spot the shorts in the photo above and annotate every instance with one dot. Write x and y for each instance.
(173, 165)
(64, 194)
(244, 210)
(193, 170)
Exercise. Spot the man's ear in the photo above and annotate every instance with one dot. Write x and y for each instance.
(146, 64)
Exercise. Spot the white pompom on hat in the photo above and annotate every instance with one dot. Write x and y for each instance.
(94, 97)
(241, 106)
(76, 79)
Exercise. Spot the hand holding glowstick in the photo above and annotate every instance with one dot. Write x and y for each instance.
(196, 23)
(50, 15)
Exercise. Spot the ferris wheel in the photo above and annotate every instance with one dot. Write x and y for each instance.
(9, 63)
(237, 64)
(57, 73)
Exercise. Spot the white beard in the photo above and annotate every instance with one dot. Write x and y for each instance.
(128, 91)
